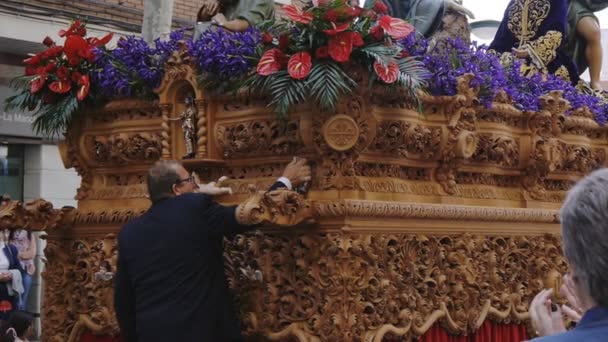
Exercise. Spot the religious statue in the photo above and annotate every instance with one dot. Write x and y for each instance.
(188, 118)
(426, 15)
(534, 30)
(583, 42)
(233, 15)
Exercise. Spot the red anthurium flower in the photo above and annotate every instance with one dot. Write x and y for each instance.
(337, 29)
(272, 61)
(34, 60)
(353, 12)
(83, 87)
(51, 67)
(100, 42)
(55, 51)
(322, 52)
(389, 73)
(296, 14)
(267, 38)
(63, 73)
(377, 33)
(395, 27)
(299, 65)
(75, 46)
(30, 71)
(77, 28)
(340, 46)
(48, 41)
(332, 15)
(74, 61)
(380, 7)
(38, 83)
(357, 39)
(61, 86)
(76, 76)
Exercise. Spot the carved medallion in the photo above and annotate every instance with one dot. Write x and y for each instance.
(341, 132)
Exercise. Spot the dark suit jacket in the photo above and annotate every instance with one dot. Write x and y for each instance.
(593, 327)
(170, 283)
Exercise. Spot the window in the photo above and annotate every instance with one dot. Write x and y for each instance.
(11, 170)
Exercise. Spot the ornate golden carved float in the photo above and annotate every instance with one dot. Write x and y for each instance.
(445, 217)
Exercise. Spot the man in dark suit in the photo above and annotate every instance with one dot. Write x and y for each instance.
(170, 281)
(584, 217)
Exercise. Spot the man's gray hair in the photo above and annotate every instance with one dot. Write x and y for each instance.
(161, 178)
(584, 218)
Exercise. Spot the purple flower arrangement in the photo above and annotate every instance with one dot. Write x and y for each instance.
(449, 63)
(226, 55)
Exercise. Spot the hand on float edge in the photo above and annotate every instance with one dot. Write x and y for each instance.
(213, 188)
(297, 171)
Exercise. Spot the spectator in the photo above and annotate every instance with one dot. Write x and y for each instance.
(18, 328)
(584, 217)
(11, 284)
(170, 281)
(26, 244)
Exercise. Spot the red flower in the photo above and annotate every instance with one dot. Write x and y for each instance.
(96, 42)
(76, 76)
(5, 306)
(38, 83)
(55, 51)
(332, 15)
(34, 60)
(388, 74)
(75, 46)
(395, 27)
(341, 46)
(51, 67)
(48, 41)
(83, 87)
(267, 38)
(299, 65)
(296, 14)
(284, 42)
(377, 32)
(357, 39)
(380, 7)
(337, 29)
(77, 28)
(30, 71)
(63, 73)
(61, 87)
(74, 61)
(322, 52)
(272, 61)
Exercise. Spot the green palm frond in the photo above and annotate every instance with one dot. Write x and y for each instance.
(285, 91)
(382, 53)
(412, 73)
(327, 82)
(52, 120)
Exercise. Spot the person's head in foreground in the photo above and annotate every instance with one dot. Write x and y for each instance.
(17, 328)
(584, 220)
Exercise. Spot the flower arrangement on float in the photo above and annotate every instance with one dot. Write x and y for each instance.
(57, 81)
(307, 55)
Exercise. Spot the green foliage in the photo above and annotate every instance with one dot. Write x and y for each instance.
(327, 82)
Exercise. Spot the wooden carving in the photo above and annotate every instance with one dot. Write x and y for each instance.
(35, 215)
(279, 207)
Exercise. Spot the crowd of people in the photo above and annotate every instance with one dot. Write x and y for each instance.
(16, 270)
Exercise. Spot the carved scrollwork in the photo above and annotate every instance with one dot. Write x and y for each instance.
(497, 149)
(363, 287)
(407, 139)
(74, 270)
(260, 138)
(125, 148)
(279, 207)
(35, 215)
(126, 110)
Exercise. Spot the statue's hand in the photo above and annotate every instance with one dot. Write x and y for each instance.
(519, 53)
(456, 7)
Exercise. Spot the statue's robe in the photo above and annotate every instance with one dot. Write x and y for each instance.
(575, 45)
(539, 27)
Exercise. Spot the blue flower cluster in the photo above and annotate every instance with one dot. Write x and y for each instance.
(447, 63)
(226, 55)
(134, 68)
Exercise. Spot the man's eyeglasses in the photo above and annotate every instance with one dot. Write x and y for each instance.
(189, 179)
